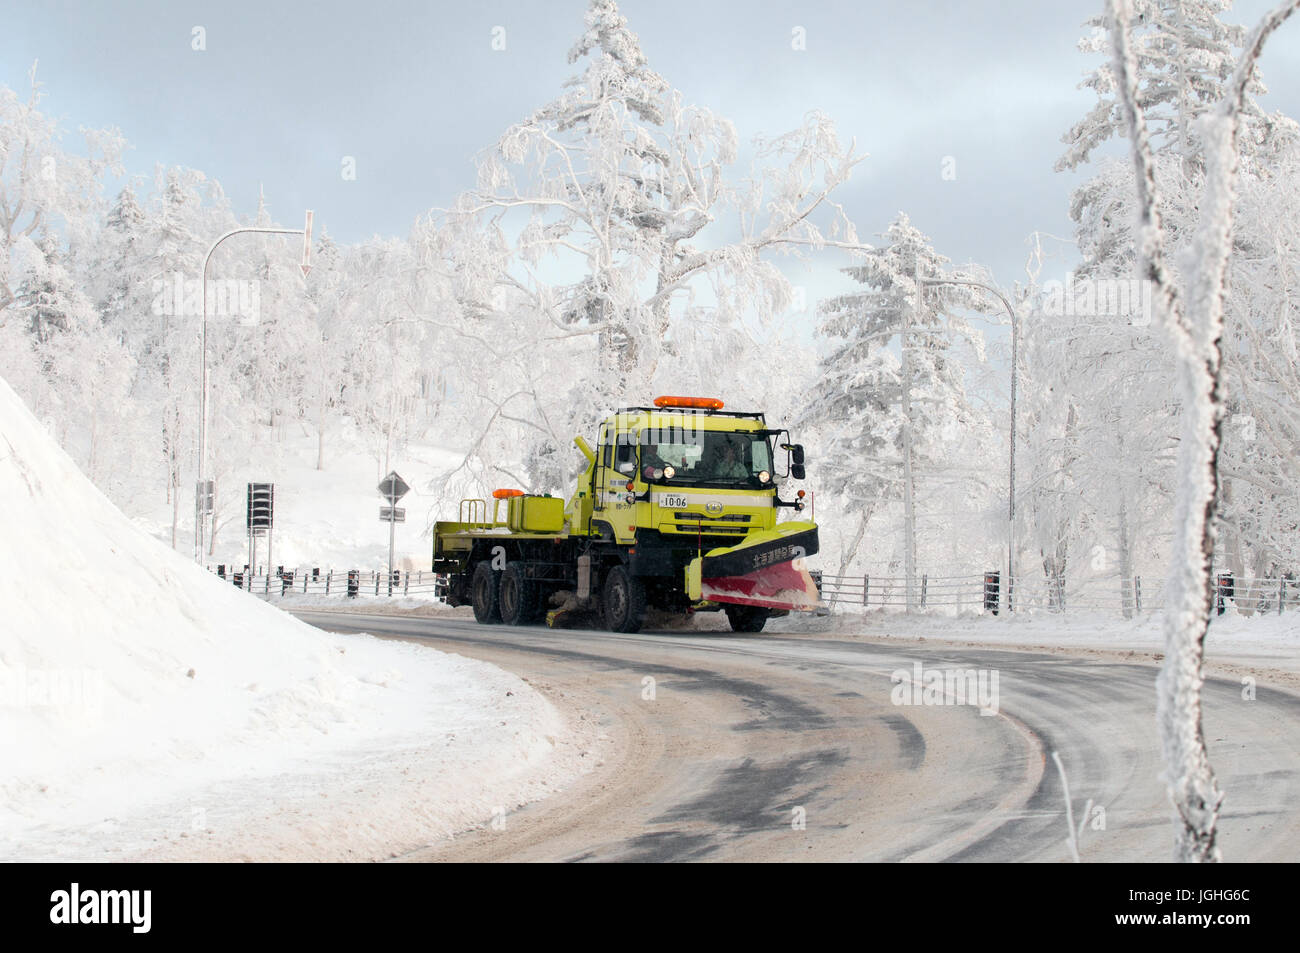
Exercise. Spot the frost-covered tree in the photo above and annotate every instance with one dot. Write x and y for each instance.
(609, 235)
(100, 323)
(330, 305)
(49, 195)
(1191, 313)
(50, 199)
(1185, 55)
(891, 383)
(1096, 441)
(168, 342)
(274, 376)
(48, 301)
(1259, 463)
(118, 259)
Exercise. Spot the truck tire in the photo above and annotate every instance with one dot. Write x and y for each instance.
(623, 601)
(484, 590)
(518, 596)
(747, 618)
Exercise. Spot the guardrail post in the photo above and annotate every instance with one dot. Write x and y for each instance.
(376, 583)
(354, 583)
(1137, 592)
(1281, 592)
(329, 576)
(866, 590)
(925, 579)
(406, 583)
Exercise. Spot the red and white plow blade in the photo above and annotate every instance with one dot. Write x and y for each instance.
(785, 585)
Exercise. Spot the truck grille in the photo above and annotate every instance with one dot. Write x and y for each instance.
(706, 518)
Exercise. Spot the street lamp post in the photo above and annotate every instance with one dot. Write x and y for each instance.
(200, 507)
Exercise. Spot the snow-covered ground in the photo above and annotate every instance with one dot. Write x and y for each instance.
(1271, 640)
(325, 518)
(149, 710)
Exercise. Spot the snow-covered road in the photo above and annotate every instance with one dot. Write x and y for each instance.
(778, 748)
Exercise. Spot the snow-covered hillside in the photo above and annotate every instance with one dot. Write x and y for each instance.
(323, 517)
(142, 701)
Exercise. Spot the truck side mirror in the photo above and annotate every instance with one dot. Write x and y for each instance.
(797, 471)
(796, 455)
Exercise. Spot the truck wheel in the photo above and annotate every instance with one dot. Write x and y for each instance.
(747, 618)
(518, 596)
(623, 601)
(484, 594)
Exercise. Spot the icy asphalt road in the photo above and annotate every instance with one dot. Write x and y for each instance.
(783, 748)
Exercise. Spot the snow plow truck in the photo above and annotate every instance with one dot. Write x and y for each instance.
(677, 510)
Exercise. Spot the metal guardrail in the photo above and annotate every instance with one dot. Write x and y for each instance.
(985, 592)
(1258, 595)
(891, 591)
(332, 582)
(977, 592)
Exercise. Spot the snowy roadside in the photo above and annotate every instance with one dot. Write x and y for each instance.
(418, 606)
(1236, 644)
(442, 745)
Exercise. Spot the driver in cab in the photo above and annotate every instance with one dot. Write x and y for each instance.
(731, 466)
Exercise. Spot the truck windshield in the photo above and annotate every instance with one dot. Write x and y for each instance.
(707, 456)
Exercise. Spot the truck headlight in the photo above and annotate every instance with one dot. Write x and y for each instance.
(670, 472)
(764, 477)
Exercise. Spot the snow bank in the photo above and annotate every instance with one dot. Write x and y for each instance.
(133, 682)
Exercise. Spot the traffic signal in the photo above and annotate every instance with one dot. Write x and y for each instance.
(261, 504)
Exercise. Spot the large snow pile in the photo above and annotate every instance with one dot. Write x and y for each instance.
(133, 684)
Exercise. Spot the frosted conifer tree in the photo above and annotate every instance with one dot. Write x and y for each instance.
(891, 389)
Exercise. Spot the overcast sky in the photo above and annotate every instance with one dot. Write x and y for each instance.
(412, 90)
